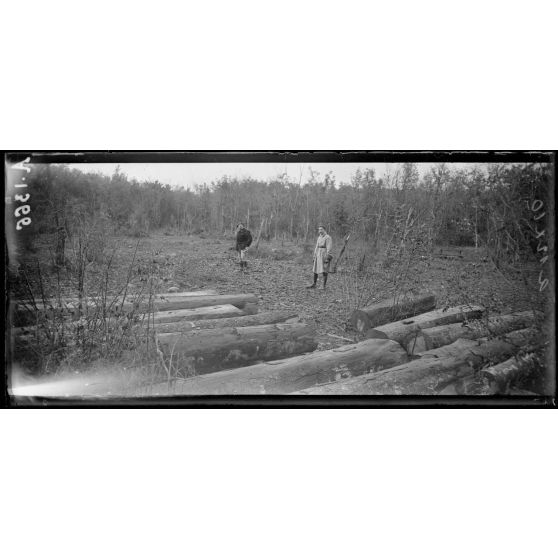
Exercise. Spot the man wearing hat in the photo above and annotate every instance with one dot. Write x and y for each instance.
(243, 240)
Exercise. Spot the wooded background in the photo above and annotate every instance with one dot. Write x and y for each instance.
(488, 205)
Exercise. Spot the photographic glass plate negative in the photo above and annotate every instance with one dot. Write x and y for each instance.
(280, 279)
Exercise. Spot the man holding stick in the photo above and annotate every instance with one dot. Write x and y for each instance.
(322, 257)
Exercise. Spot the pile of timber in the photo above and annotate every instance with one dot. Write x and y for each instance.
(291, 374)
(454, 362)
(221, 345)
(388, 362)
(166, 307)
(437, 336)
(196, 332)
(406, 331)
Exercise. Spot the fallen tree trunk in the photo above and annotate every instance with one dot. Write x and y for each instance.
(491, 349)
(178, 302)
(72, 302)
(23, 314)
(434, 337)
(403, 330)
(432, 373)
(390, 310)
(285, 376)
(494, 380)
(502, 375)
(263, 318)
(205, 292)
(29, 311)
(216, 349)
(204, 313)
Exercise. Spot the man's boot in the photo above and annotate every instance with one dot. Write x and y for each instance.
(313, 286)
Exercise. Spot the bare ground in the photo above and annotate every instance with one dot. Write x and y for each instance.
(278, 274)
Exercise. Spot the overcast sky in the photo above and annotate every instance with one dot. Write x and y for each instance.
(188, 174)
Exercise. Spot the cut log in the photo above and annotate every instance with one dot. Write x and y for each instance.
(502, 375)
(26, 312)
(431, 374)
(206, 292)
(72, 301)
(390, 310)
(494, 380)
(499, 346)
(177, 302)
(169, 301)
(285, 376)
(217, 349)
(403, 330)
(433, 337)
(204, 313)
(241, 321)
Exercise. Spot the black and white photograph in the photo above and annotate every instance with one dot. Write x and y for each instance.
(279, 279)
(176, 277)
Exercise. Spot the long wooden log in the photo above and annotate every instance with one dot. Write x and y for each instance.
(432, 373)
(203, 313)
(217, 349)
(501, 376)
(205, 292)
(494, 380)
(433, 337)
(196, 318)
(402, 330)
(499, 346)
(285, 376)
(26, 312)
(177, 302)
(72, 302)
(23, 315)
(391, 310)
(263, 318)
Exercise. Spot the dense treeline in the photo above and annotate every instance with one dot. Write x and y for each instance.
(488, 205)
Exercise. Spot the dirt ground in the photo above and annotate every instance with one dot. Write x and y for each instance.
(279, 272)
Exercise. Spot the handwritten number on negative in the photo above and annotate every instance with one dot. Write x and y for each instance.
(22, 197)
(23, 223)
(22, 210)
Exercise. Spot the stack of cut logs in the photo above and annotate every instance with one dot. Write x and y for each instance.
(410, 348)
(423, 352)
(229, 333)
(201, 331)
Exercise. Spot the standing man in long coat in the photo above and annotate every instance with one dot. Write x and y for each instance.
(322, 257)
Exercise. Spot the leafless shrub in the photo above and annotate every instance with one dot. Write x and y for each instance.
(387, 269)
(101, 324)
